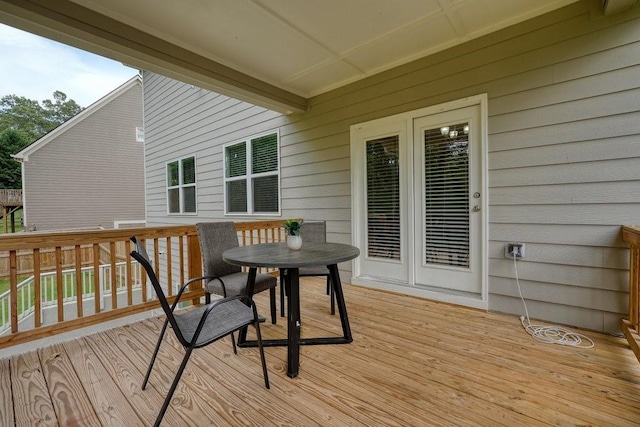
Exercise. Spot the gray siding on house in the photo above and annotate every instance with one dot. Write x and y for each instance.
(92, 174)
(563, 171)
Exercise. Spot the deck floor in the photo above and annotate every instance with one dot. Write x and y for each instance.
(413, 362)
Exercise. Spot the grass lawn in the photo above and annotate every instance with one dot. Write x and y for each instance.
(18, 219)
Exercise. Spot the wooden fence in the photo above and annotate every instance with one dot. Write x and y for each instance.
(174, 250)
(48, 260)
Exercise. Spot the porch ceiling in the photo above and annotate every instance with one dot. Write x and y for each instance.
(275, 53)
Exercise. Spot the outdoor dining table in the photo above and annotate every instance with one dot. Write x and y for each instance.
(311, 254)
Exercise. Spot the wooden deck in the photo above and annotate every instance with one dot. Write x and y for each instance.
(413, 362)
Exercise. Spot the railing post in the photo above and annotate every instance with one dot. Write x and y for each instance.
(631, 327)
(194, 264)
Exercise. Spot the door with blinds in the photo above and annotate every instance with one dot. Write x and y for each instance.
(418, 203)
(448, 200)
(384, 202)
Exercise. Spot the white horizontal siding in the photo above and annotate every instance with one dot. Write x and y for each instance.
(563, 152)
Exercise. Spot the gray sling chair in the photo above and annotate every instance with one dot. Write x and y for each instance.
(199, 326)
(311, 232)
(227, 279)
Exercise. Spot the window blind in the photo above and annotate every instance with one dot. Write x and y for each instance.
(264, 154)
(383, 198)
(236, 160)
(446, 170)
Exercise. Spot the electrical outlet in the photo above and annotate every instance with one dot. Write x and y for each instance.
(509, 250)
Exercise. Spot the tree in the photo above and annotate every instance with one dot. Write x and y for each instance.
(62, 110)
(32, 119)
(22, 121)
(11, 141)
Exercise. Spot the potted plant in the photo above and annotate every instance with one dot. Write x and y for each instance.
(292, 227)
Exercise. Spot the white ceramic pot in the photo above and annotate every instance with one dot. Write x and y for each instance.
(294, 242)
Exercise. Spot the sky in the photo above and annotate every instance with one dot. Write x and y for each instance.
(35, 67)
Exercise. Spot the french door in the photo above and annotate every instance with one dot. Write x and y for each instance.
(418, 211)
(448, 194)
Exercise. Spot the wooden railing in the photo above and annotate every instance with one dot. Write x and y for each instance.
(631, 327)
(174, 251)
(10, 197)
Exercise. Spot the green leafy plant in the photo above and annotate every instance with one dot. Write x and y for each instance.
(292, 226)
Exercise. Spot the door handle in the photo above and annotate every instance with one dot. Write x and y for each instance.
(476, 208)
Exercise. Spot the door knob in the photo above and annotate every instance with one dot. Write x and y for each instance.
(476, 208)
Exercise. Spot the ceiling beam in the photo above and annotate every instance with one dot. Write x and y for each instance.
(75, 25)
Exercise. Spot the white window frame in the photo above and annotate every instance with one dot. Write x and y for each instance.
(249, 176)
(181, 186)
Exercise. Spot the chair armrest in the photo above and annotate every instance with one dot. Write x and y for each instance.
(184, 286)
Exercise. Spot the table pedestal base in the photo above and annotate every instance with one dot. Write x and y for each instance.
(294, 341)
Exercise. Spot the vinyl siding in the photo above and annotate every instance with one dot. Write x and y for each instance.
(92, 174)
(563, 171)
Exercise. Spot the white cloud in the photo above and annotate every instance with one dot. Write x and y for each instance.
(35, 67)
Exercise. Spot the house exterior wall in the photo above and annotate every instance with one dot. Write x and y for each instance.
(563, 171)
(92, 174)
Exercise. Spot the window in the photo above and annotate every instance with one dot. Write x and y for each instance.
(252, 176)
(181, 186)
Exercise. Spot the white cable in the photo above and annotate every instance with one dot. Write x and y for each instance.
(549, 334)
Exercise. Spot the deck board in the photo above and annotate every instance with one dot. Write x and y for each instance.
(70, 401)
(413, 362)
(6, 403)
(31, 400)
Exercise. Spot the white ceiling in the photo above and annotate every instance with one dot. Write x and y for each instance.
(308, 47)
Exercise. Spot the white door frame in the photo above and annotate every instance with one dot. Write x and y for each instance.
(404, 123)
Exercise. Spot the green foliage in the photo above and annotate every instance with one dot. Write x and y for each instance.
(32, 119)
(292, 226)
(11, 141)
(22, 121)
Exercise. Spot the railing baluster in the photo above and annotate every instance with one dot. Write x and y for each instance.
(37, 290)
(181, 255)
(169, 267)
(114, 290)
(79, 310)
(128, 272)
(59, 285)
(13, 286)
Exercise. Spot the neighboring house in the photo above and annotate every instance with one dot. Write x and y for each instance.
(546, 153)
(89, 171)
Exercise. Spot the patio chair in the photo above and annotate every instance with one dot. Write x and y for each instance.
(199, 326)
(227, 279)
(311, 232)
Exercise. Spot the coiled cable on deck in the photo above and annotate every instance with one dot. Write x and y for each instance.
(549, 334)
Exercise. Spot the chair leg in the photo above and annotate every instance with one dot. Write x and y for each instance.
(332, 296)
(265, 374)
(272, 298)
(167, 399)
(281, 294)
(233, 343)
(155, 354)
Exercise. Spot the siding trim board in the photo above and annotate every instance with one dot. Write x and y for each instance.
(562, 152)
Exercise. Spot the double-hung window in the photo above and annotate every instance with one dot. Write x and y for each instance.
(252, 176)
(181, 186)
